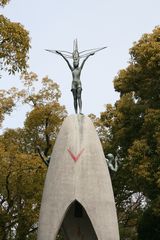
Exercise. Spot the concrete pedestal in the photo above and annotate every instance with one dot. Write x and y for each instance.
(78, 194)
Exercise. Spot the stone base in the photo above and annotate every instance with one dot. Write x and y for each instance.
(78, 173)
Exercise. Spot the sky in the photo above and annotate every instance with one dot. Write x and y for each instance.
(54, 24)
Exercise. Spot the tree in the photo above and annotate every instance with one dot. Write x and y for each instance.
(14, 44)
(46, 116)
(131, 129)
(4, 2)
(22, 171)
(139, 110)
(149, 226)
(21, 182)
(7, 102)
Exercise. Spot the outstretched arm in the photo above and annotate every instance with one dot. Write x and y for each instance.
(86, 60)
(69, 65)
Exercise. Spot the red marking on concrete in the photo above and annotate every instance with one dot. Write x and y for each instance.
(74, 157)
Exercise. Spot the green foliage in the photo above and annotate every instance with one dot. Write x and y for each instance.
(22, 175)
(22, 170)
(49, 90)
(142, 76)
(4, 2)
(131, 131)
(46, 116)
(7, 102)
(14, 46)
(149, 226)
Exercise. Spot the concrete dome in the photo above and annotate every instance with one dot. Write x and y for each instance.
(78, 172)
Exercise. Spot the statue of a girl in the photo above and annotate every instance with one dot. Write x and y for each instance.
(76, 69)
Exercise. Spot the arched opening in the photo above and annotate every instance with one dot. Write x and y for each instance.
(76, 224)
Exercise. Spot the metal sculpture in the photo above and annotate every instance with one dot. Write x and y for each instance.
(76, 69)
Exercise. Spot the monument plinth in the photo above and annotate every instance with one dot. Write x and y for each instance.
(78, 196)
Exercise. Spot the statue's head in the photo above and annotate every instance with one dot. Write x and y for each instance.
(75, 54)
(110, 157)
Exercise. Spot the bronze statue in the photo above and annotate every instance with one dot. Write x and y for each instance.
(76, 70)
(113, 162)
